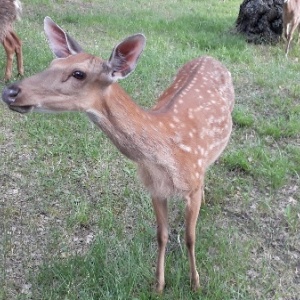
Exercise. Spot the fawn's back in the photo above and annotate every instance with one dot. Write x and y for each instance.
(193, 118)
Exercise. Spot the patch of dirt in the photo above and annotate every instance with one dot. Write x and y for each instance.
(276, 253)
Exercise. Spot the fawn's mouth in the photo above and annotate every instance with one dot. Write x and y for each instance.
(21, 109)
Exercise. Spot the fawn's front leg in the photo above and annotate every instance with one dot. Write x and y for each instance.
(193, 203)
(161, 212)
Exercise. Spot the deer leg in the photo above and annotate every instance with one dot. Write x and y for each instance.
(9, 56)
(193, 203)
(18, 51)
(290, 36)
(161, 212)
(12, 44)
(284, 32)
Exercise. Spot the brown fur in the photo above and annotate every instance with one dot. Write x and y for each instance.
(10, 11)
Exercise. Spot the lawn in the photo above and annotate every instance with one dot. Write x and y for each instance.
(75, 223)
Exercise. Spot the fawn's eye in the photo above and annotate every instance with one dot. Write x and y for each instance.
(79, 75)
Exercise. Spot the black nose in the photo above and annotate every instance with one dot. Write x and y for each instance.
(10, 93)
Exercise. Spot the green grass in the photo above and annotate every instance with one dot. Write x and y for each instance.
(75, 223)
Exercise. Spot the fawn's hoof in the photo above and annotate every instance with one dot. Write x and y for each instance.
(195, 283)
(159, 287)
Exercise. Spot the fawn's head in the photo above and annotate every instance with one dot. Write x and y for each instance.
(75, 79)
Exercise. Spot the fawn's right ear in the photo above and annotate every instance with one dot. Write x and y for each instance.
(61, 44)
(125, 55)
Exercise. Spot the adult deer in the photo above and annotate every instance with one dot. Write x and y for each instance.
(10, 11)
(291, 20)
(172, 144)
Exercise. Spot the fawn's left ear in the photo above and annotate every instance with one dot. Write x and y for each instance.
(125, 55)
(61, 44)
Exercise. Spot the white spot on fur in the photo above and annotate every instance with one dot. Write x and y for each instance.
(185, 148)
(176, 120)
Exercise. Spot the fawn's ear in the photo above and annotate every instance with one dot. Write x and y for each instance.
(61, 44)
(125, 56)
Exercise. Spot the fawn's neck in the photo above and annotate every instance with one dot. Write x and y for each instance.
(132, 129)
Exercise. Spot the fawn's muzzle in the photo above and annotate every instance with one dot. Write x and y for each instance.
(9, 96)
(10, 93)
